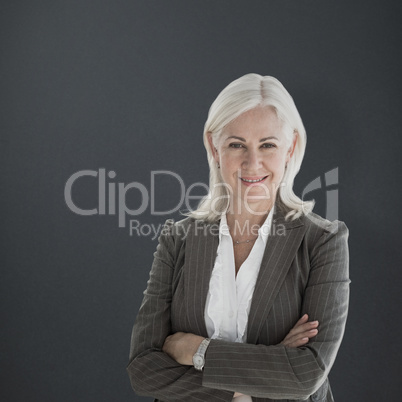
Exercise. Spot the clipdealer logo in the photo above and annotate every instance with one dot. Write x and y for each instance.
(109, 192)
(112, 197)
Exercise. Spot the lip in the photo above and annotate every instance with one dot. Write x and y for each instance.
(253, 178)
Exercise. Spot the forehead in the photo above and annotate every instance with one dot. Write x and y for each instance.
(262, 119)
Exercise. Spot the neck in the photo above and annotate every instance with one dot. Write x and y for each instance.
(245, 224)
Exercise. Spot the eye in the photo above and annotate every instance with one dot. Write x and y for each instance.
(235, 145)
(268, 145)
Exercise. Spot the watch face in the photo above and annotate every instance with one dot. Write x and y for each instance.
(198, 360)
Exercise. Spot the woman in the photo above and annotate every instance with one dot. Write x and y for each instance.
(220, 319)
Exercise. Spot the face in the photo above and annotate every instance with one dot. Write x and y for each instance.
(252, 152)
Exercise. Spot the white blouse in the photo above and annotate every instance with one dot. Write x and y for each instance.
(229, 297)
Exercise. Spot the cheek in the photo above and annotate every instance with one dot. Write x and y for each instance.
(276, 162)
(230, 160)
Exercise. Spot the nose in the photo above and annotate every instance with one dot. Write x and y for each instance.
(252, 161)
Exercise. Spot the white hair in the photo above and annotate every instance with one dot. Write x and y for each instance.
(241, 95)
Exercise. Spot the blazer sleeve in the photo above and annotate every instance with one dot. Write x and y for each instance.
(151, 371)
(279, 372)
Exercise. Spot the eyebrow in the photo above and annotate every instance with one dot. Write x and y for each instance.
(272, 137)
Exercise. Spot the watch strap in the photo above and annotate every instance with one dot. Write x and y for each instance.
(201, 353)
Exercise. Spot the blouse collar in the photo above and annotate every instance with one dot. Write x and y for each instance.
(263, 231)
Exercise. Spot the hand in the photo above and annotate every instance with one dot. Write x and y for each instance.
(182, 346)
(301, 333)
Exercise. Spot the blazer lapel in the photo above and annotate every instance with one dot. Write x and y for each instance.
(282, 245)
(201, 248)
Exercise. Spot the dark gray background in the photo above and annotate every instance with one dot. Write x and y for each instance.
(126, 86)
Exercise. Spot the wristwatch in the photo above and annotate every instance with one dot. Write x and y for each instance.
(199, 356)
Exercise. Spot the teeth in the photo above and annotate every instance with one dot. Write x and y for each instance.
(253, 181)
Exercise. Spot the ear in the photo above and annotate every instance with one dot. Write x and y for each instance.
(212, 146)
(292, 147)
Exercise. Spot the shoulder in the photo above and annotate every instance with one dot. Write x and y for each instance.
(177, 229)
(322, 234)
(182, 228)
(317, 224)
(174, 233)
(314, 225)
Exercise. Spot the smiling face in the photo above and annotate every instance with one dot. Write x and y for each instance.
(252, 152)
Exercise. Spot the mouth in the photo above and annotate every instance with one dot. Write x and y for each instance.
(253, 180)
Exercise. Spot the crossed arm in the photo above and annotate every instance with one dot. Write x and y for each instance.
(161, 366)
(182, 346)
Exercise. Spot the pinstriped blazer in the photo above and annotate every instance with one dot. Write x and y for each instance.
(305, 269)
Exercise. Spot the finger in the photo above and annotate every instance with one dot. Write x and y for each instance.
(310, 332)
(302, 320)
(295, 338)
(298, 327)
(303, 327)
(298, 342)
(306, 327)
(301, 330)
